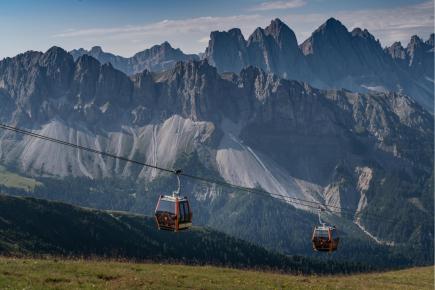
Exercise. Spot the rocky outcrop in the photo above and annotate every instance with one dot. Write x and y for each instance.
(349, 59)
(227, 50)
(421, 56)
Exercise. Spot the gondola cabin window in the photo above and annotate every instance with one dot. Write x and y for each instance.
(182, 212)
(166, 206)
(322, 233)
(334, 234)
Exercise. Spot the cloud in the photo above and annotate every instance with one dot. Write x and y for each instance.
(277, 5)
(204, 40)
(183, 33)
(167, 27)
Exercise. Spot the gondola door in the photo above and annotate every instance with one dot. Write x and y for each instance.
(166, 213)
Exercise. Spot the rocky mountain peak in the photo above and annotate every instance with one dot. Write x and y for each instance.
(273, 49)
(335, 54)
(282, 34)
(358, 32)
(59, 70)
(96, 49)
(165, 49)
(431, 40)
(332, 25)
(56, 56)
(159, 49)
(227, 50)
(415, 40)
(166, 45)
(55, 50)
(330, 34)
(237, 33)
(397, 51)
(258, 35)
(275, 27)
(421, 60)
(232, 34)
(85, 61)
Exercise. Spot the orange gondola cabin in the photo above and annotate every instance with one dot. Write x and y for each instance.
(325, 238)
(172, 211)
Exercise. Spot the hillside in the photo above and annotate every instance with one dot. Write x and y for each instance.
(12, 180)
(32, 227)
(67, 274)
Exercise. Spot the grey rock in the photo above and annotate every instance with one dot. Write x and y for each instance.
(227, 50)
(273, 49)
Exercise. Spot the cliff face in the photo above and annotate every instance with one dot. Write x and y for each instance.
(273, 49)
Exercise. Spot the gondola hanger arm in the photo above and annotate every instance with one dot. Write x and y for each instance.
(177, 173)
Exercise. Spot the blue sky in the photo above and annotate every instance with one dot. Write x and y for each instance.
(128, 26)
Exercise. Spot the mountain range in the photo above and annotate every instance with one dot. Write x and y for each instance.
(369, 152)
(157, 58)
(331, 58)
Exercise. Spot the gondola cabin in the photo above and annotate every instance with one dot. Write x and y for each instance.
(173, 213)
(325, 238)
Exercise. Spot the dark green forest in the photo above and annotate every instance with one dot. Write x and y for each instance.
(35, 227)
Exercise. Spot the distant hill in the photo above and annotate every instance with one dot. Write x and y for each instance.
(33, 227)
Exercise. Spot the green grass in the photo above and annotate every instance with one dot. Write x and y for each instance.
(13, 180)
(79, 274)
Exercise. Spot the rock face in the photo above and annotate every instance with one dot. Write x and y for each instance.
(332, 57)
(421, 56)
(157, 58)
(348, 59)
(255, 129)
(227, 50)
(273, 49)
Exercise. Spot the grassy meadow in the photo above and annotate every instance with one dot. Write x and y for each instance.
(89, 274)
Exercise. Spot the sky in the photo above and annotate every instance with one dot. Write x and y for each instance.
(128, 26)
